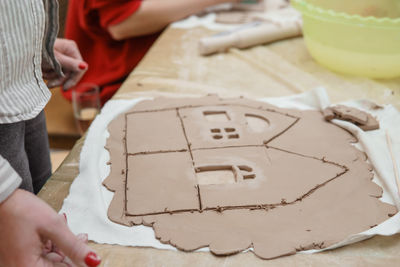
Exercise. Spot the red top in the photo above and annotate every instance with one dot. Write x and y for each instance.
(110, 61)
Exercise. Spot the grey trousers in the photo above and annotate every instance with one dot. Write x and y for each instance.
(25, 145)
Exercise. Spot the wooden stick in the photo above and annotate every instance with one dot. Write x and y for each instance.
(395, 169)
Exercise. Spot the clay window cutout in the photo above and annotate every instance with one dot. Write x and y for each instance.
(233, 136)
(249, 176)
(216, 116)
(230, 133)
(230, 130)
(215, 175)
(257, 123)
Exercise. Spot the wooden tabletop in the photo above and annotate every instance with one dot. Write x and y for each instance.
(283, 68)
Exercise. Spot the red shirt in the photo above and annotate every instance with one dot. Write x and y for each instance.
(110, 61)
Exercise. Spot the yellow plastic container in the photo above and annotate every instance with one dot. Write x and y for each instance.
(358, 37)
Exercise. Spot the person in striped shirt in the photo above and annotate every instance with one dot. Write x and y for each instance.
(29, 51)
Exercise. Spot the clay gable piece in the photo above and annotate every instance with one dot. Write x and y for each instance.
(225, 126)
(276, 176)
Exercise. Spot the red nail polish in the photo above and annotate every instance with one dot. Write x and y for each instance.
(65, 216)
(92, 260)
(83, 65)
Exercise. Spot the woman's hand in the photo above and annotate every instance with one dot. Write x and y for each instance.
(33, 234)
(73, 66)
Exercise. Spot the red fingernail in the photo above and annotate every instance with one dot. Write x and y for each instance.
(83, 65)
(92, 260)
(65, 216)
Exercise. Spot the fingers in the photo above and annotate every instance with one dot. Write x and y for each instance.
(83, 238)
(47, 247)
(67, 53)
(54, 257)
(67, 47)
(49, 74)
(70, 63)
(67, 242)
(73, 79)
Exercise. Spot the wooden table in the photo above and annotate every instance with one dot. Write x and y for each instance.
(279, 69)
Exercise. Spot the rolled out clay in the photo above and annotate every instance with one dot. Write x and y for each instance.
(233, 174)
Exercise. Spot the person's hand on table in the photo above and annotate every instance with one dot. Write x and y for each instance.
(33, 234)
(73, 66)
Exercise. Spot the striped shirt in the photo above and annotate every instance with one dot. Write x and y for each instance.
(28, 29)
(27, 36)
(9, 179)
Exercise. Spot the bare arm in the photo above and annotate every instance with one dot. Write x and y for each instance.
(154, 15)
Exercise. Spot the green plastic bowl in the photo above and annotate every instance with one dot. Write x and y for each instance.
(357, 37)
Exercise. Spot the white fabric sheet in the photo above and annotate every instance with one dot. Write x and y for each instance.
(278, 16)
(86, 206)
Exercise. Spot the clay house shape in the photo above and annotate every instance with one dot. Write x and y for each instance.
(187, 159)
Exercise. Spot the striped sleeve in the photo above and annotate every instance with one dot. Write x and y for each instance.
(9, 179)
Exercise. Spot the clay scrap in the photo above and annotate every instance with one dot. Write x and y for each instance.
(360, 118)
(232, 174)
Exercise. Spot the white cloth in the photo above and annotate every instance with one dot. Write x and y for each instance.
(86, 206)
(277, 16)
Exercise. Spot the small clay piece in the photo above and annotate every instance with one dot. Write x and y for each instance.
(372, 124)
(350, 114)
(360, 118)
(230, 174)
(328, 114)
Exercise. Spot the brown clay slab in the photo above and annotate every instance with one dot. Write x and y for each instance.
(351, 114)
(313, 136)
(360, 118)
(224, 126)
(323, 182)
(155, 131)
(264, 176)
(160, 183)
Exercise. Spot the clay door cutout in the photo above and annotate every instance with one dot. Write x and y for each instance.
(215, 175)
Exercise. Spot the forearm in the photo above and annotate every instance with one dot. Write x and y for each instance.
(154, 15)
(9, 179)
